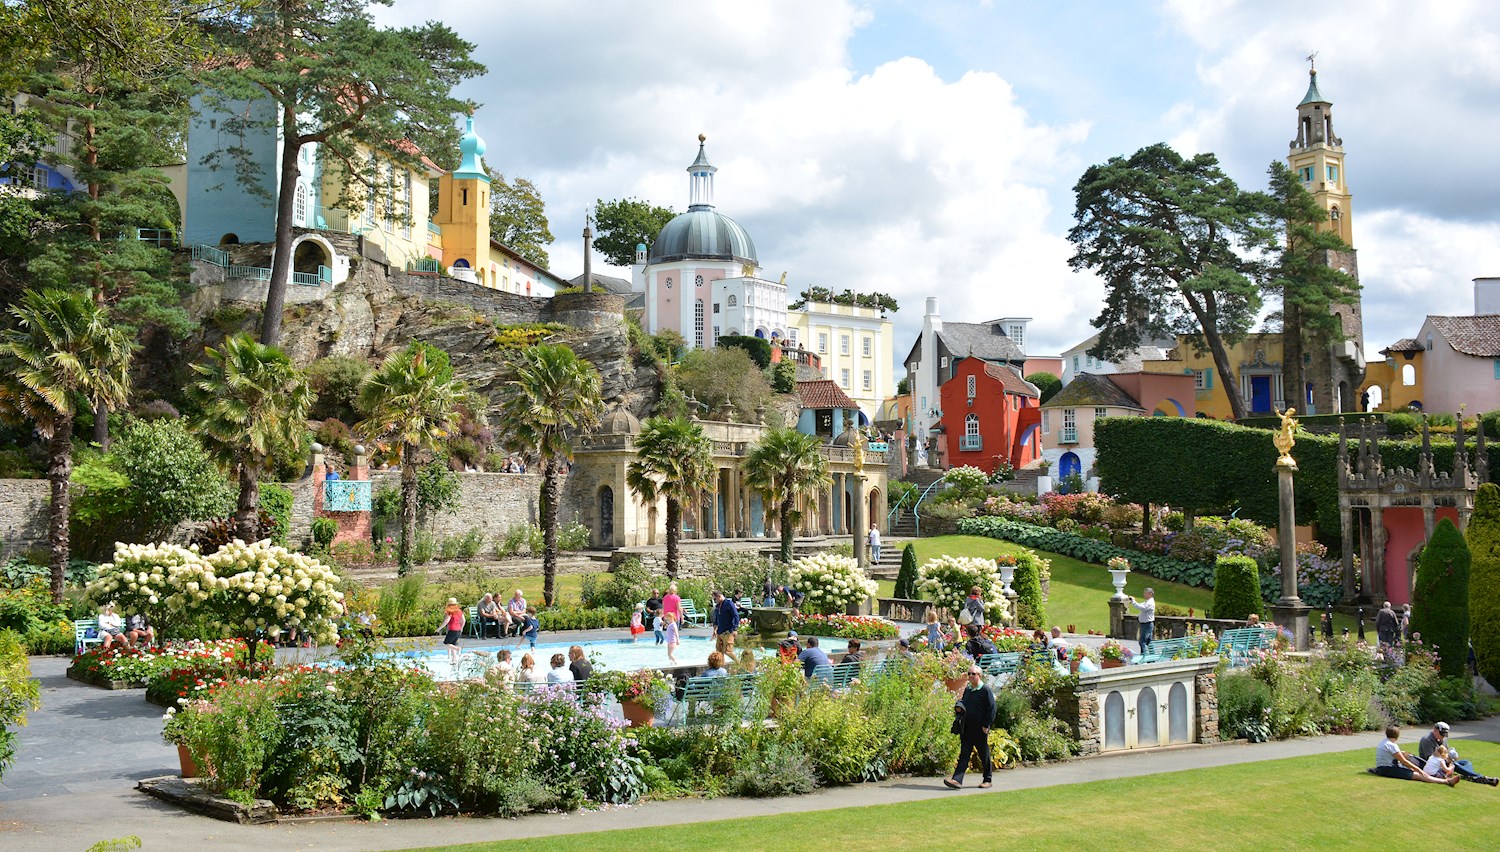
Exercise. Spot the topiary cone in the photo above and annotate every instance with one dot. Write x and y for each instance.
(906, 578)
(1440, 601)
(1484, 581)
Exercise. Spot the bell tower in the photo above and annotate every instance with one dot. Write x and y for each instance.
(1323, 376)
(464, 209)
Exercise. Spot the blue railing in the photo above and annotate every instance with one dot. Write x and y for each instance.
(916, 515)
(424, 264)
(209, 254)
(346, 495)
(250, 273)
(159, 237)
(878, 446)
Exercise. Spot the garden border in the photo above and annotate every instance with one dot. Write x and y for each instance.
(73, 673)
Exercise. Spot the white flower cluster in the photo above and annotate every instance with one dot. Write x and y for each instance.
(244, 587)
(831, 582)
(946, 580)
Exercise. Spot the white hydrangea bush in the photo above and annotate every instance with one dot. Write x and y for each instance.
(262, 586)
(831, 582)
(147, 578)
(946, 580)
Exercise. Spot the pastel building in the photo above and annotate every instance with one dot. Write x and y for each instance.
(1079, 359)
(855, 347)
(989, 416)
(1068, 418)
(1453, 362)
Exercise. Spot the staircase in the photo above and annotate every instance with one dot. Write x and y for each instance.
(890, 559)
(905, 525)
(1025, 481)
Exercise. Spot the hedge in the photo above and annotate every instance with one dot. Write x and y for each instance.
(1209, 467)
(758, 348)
(1440, 601)
(1484, 580)
(1237, 591)
(1031, 608)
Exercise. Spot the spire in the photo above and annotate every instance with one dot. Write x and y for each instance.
(1313, 96)
(701, 179)
(471, 151)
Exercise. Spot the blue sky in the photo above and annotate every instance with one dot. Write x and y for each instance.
(930, 148)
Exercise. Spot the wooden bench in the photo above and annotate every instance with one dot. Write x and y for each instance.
(691, 615)
(81, 638)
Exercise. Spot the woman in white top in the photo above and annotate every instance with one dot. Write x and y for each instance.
(560, 672)
(528, 672)
(501, 672)
(111, 628)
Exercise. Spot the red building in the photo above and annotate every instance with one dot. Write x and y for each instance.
(989, 414)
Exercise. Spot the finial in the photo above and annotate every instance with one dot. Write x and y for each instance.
(702, 138)
(1312, 63)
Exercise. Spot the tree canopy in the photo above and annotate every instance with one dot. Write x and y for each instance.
(622, 224)
(339, 80)
(1179, 247)
(518, 218)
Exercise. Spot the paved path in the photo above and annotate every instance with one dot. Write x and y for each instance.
(73, 785)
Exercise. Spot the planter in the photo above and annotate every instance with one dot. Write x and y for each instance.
(1073, 666)
(639, 715)
(956, 684)
(1111, 664)
(189, 766)
(102, 682)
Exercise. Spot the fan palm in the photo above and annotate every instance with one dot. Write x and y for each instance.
(674, 460)
(252, 401)
(414, 399)
(554, 393)
(61, 353)
(783, 465)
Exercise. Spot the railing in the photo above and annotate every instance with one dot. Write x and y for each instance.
(970, 443)
(159, 237)
(324, 275)
(878, 446)
(250, 273)
(916, 514)
(209, 254)
(904, 609)
(1067, 436)
(346, 495)
(425, 265)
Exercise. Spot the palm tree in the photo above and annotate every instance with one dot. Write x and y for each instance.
(414, 398)
(555, 392)
(674, 459)
(782, 466)
(62, 353)
(252, 401)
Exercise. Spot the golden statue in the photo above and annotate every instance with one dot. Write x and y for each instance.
(857, 443)
(1284, 440)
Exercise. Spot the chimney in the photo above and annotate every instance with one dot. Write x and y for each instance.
(1486, 296)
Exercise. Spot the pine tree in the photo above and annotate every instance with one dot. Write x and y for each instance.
(1440, 601)
(906, 578)
(1484, 580)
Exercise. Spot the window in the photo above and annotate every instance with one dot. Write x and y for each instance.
(869, 379)
(390, 197)
(869, 346)
(822, 342)
(669, 283)
(698, 322)
(299, 209)
(716, 332)
(406, 213)
(716, 307)
(1100, 413)
(792, 332)
(971, 425)
(973, 386)
(1408, 375)
(1046, 422)
(1305, 173)
(844, 378)
(1333, 174)
(1199, 380)
(1018, 334)
(1429, 343)
(1075, 363)
(1070, 420)
(733, 300)
(698, 281)
(844, 344)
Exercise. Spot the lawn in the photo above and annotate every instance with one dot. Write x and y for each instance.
(1080, 590)
(1300, 802)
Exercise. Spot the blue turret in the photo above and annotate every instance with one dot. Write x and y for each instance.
(471, 149)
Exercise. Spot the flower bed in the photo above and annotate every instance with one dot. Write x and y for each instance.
(863, 627)
(137, 666)
(946, 581)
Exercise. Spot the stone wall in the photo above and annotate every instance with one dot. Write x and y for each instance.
(1206, 687)
(1090, 738)
(23, 515)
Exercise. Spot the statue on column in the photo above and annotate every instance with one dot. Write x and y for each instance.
(1284, 439)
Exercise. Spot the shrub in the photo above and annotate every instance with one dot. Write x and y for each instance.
(906, 578)
(19, 693)
(1244, 705)
(336, 379)
(1236, 587)
(946, 581)
(1484, 580)
(323, 531)
(276, 504)
(967, 483)
(914, 717)
(1047, 383)
(1401, 424)
(759, 349)
(830, 582)
(840, 740)
(778, 769)
(1031, 608)
(1440, 600)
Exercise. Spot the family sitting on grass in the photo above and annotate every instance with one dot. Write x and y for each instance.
(1436, 761)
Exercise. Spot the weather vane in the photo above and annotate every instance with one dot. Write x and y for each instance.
(1312, 61)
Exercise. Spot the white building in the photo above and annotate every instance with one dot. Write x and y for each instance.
(1077, 360)
(854, 344)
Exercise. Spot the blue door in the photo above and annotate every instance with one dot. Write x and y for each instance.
(1260, 394)
(1067, 466)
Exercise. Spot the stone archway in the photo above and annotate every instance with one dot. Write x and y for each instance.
(874, 509)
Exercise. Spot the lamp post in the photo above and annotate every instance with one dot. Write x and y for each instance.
(1289, 612)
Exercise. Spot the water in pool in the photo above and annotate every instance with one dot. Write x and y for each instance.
(607, 654)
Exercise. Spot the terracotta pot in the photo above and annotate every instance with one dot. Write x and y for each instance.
(956, 684)
(1073, 665)
(637, 714)
(1111, 664)
(189, 766)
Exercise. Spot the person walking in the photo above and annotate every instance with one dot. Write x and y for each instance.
(1147, 609)
(671, 603)
(726, 624)
(1387, 625)
(973, 613)
(974, 713)
(670, 632)
(452, 627)
(874, 543)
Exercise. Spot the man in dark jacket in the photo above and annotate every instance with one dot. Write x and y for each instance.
(726, 624)
(978, 645)
(976, 712)
(1387, 625)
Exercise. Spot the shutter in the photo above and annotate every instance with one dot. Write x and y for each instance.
(1208, 378)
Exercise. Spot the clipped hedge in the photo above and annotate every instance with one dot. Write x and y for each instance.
(758, 348)
(1237, 591)
(1440, 601)
(1031, 608)
(1088, 549)
(1484, 580)
(906, 578)
(1206, 466)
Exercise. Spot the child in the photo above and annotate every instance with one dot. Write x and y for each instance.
(934, 631)
(636, 627)
(533, 626)
(502, 672)
(452, 628)
(671, 637)
(1438, 765)
(657, 626)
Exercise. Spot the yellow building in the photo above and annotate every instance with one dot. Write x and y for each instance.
(855, 345)
(1256, 360)
(390, 211)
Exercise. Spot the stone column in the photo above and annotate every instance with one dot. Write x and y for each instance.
(861, 558)
(1346, 527)
(1117, 618)
(1289, 612)
(1206, 687)
(1090, 737)
(1376, 572)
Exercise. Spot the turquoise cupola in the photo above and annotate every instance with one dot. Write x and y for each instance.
(471, 151)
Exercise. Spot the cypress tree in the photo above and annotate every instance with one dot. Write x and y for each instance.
(1484, 580)
(1236, 587)
(1440, 602)
(906, 578)
(1031, 610)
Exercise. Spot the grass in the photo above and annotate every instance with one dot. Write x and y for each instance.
(1299, 802)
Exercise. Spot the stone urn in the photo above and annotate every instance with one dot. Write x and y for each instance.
(773, 623)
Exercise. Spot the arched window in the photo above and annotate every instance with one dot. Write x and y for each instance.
(1408, 375)
(971, 425)
(733, 300)
(1429, 343)
(299, 210)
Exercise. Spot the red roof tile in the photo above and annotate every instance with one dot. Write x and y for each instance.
(823, 393)
(1010, 381)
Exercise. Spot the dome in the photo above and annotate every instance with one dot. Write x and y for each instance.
(703, 234)
(471, 153)
(619, 422)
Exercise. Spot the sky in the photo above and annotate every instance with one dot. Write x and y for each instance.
(930, 148)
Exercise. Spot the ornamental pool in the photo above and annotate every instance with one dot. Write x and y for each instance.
(614, 654)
